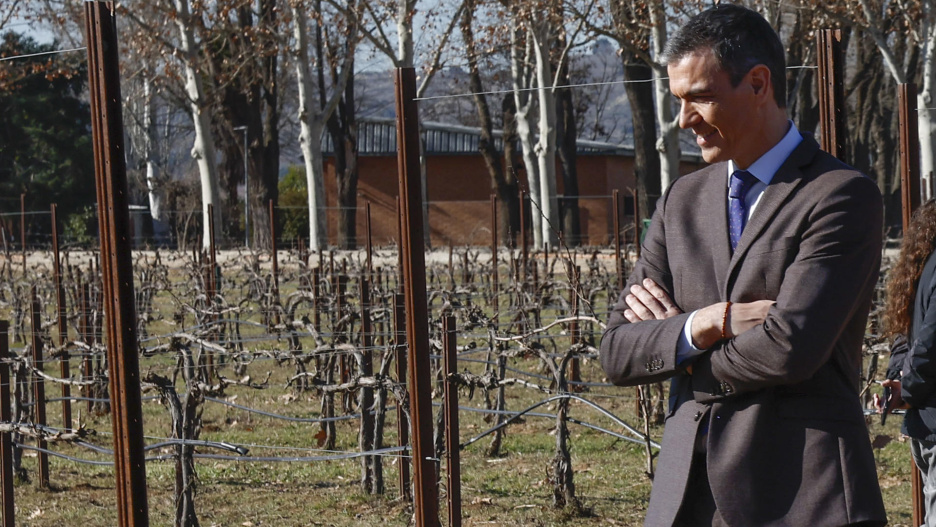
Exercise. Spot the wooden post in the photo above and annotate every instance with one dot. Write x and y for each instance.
(417, 322)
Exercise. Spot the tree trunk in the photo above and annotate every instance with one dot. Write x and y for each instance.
(668, 143)
(269, 148)
(203, 150)
(310, 136)
(151, 157)
(342, 126)
(506, 191)
(312, 123)
(566, 136)
(546, 140)
(646, 160)
(523, 105)
(927, 100)
(508, 194)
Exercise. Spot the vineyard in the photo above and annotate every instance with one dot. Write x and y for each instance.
(273, 392)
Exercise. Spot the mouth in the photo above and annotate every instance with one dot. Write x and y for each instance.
(703, 139)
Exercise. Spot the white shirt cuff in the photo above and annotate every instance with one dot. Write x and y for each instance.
(685, 350)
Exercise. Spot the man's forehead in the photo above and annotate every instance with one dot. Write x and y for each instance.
(693, 72)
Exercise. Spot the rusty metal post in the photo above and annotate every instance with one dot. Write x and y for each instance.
(117, 265)
(910, 200)
(452, 457)
(368, 238)
(616, 215)
(64, 369)
(399, 357)
(85, 331)
(495, 285)
(417, 322)
(637, 228)
(39, 400)
(575, 368)
(6, 439)
(212, 258)
(910, 196)
(276, 299)
(23, 230)
(366, 395)
(524, 249)
(400, 278)
(831, 92)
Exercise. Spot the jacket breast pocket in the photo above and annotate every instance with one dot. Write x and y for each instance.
(765, 265)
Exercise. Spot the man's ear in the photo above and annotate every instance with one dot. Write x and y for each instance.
(760, 79)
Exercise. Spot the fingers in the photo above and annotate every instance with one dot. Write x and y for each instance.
(660, 295)
(638, 310)
(649, 302)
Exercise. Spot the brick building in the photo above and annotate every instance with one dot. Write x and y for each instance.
(459, 185)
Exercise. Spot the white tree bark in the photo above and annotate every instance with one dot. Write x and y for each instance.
(521, 72)
(312, 124)
(151, 152)
(925, 104)
(925, 37)
(548, 208)
(404, 23)
(668, 140)
(203, 150)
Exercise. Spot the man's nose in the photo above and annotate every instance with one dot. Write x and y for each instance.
(688, 117)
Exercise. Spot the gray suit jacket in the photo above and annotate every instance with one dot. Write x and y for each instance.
(786, 443)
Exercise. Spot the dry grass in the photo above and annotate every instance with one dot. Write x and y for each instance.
(512, 489)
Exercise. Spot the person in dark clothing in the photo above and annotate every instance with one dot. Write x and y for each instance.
(911, 374)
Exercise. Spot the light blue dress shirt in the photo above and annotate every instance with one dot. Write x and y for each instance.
(763, 169)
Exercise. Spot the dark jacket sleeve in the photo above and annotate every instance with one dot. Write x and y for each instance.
(644, 352)
(919, 377)
(898, 357)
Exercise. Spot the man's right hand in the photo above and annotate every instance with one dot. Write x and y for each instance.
(707, 323)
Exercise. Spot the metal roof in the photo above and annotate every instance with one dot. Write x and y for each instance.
(377, 137)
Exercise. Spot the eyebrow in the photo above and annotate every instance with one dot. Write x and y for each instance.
(705, 90)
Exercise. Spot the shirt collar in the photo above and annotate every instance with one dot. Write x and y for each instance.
(767, 165)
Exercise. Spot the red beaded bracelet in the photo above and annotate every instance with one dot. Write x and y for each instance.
(724, 321)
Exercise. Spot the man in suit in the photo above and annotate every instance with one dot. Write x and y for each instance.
(752, 293)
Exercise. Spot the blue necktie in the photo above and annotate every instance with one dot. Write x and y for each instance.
(741, 181)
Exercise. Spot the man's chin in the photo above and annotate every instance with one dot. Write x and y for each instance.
(713, 155)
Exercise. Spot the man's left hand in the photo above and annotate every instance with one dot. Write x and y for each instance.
(648, 301)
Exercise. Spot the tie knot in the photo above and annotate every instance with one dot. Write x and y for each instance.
(739, 183)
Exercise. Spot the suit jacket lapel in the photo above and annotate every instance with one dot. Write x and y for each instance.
(784, 182)
(717, 192)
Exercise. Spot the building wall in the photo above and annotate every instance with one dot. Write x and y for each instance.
(460, 189)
